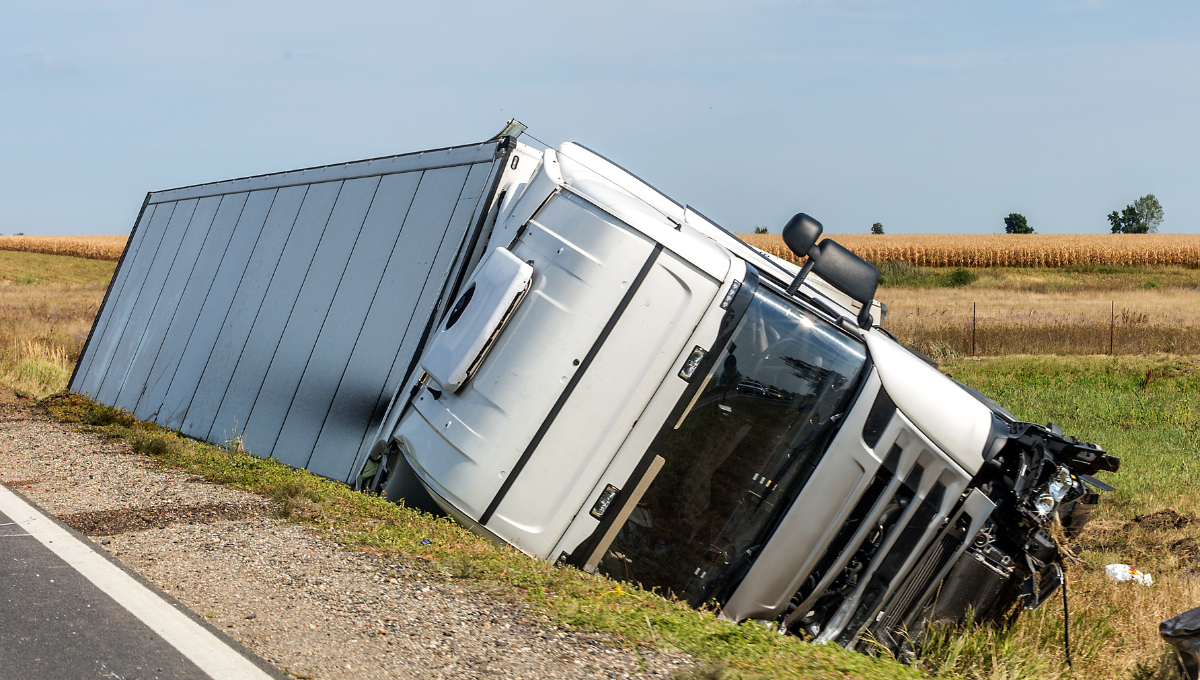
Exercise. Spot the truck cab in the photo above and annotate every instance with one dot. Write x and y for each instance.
(624, 386)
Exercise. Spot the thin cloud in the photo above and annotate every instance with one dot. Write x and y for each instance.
(46, 62)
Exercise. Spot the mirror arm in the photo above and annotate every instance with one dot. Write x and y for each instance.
(804, 270)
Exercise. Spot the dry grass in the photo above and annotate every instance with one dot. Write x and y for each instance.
(938, 321)
(103, 247)
(47, 304)
(1114, 629)
(1011, 250)
(1143, 409)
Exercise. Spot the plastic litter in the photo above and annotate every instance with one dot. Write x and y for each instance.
(1123, 572)
(1183, 633)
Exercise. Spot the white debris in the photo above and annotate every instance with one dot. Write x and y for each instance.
(1123, 572)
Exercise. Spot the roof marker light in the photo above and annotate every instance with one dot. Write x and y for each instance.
(733, 291)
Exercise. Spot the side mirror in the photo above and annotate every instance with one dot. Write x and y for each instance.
(801, 234)
(850, 274)
(843, 269)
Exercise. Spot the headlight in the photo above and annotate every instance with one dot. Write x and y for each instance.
(1054, 492)
(1060, 485)
(1044, 504)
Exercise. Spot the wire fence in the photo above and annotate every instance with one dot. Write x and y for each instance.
(952, 332)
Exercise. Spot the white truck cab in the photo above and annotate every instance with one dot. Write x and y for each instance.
(625, 387)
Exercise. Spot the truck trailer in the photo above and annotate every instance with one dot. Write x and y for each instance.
(546, 348)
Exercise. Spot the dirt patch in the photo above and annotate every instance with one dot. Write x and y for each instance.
(1162, 519)
(10, 397)
(113, 522)
(1187, 551)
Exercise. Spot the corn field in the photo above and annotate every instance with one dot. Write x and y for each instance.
(92, 247)
(1011, 250)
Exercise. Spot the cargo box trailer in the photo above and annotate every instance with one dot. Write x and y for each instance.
(554, 353)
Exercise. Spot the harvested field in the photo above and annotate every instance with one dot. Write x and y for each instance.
(103, 247)
(986, 320)
(47, 304)
(1010, 250)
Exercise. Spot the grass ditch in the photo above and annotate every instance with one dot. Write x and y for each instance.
(1143, 409)
(563, 595)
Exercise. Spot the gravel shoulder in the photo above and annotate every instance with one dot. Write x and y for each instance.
(312, 608)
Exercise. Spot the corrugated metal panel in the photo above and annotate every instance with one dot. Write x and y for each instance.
(287, 306)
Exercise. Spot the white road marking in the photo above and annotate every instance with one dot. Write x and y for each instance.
(192, 640)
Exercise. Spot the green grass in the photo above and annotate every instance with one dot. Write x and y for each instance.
(905, 275)
(33, 268)
(1144, 409)
(1139, 408)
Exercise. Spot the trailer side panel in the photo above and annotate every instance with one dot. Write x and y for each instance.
(286, 307)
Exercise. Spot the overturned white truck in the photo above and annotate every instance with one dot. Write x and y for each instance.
(563, 359)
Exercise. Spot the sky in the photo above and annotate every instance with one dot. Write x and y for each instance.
(925, 116)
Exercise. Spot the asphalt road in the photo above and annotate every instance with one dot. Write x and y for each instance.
(70, 611)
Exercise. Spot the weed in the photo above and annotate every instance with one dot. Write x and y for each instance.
(903, 274)
(463, 569)
(899, 273)
(980, 653)
(75, 408)
(1165, 667)
(47, 269)
(156, 445)
(958, 278)
(292, 496)
(236, 441)
(42, 375)
(939, 352)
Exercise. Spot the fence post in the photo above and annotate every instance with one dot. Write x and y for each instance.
(974, 323)
(1112, 324)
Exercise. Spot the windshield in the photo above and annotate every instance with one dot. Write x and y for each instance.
(755, 425)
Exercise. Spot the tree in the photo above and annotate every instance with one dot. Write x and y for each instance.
(1015, 223)
(877, 228)
(1127, 221)
(1142, 217)
(1149, 212)
(761, 230)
